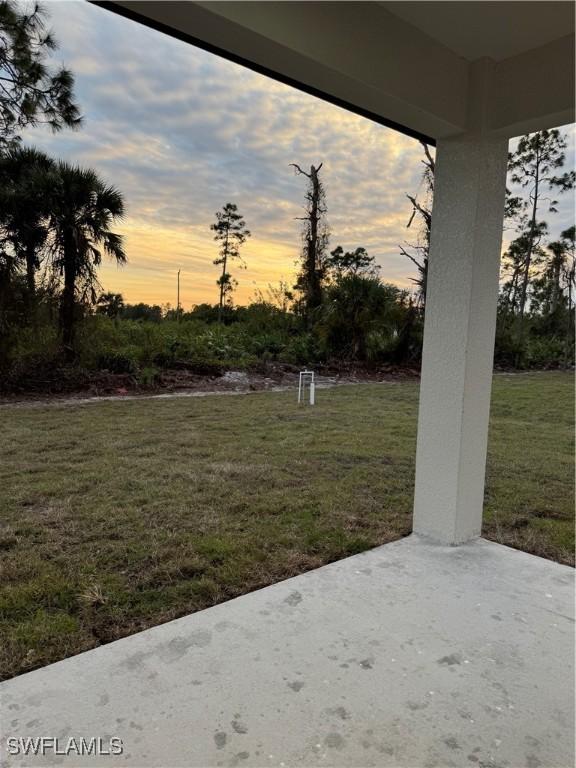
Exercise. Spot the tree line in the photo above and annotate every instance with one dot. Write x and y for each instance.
(55, 217)
(538, 273)
(58, 222)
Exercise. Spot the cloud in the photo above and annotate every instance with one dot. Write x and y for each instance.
(181, 132)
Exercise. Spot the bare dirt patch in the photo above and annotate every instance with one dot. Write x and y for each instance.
(104, 386)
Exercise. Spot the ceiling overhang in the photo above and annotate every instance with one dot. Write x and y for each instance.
(365, 57)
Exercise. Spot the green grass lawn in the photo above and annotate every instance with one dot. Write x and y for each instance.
(120, 515)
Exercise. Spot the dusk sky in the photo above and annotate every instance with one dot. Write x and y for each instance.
(181, 132)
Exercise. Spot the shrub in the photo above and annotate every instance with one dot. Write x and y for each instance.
(546, 353)
(508, 351)
(267, 347)
(148, 377)
(43, 373)
(163, 359)
(357, 308)
(379, 346)
(304, 350)
(116, 363)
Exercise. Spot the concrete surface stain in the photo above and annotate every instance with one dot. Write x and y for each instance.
(452, 743)
(239, 726)
(334, 741)
(297, 685)
(339, 712)
(220, 739)
(134, 661)
(454, 658)
(222, 626)
(366, 744)
(416, 705)
(293, 598)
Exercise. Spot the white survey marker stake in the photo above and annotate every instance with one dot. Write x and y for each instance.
(306, 382)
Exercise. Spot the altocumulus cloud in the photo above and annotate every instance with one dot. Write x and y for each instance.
(181, 132)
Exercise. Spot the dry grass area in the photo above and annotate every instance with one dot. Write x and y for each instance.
(121, 515)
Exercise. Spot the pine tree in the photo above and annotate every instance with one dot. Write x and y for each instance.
(534, 167)
(231, 233)
(31, 92)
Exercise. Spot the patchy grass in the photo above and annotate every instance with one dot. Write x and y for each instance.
(121, 515)
(529, 499)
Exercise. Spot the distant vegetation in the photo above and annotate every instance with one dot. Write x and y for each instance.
(58, 222)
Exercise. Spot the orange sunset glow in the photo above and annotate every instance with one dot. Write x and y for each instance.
(181, 132)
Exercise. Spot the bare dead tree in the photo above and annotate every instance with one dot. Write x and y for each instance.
(422, 213)
(315, 235)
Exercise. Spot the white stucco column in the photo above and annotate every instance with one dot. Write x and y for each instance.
(462, 293)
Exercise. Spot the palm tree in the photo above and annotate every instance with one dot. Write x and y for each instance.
(356, 308)
(110, 304)
(26, 177)
(83, 208)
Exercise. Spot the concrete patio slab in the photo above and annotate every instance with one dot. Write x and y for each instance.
(412, 654)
